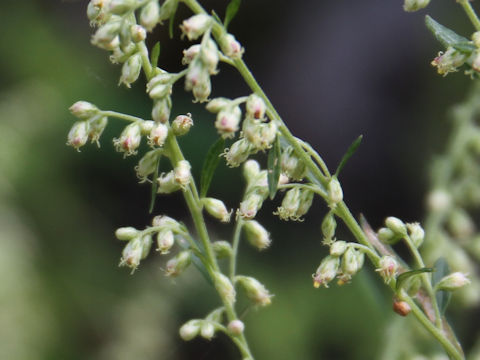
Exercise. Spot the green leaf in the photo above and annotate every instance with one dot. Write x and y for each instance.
(231, 11)
(196, 260)
(443, 297)
(155, 55)
(273, 166)
(443, 34)
(466, 48)
(406, 275)
(211, 162)
(171, 21)
(351, 150)
(154, 186)
(216, 17)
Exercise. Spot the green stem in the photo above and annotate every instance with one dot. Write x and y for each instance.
(467, 7)
(235, 244)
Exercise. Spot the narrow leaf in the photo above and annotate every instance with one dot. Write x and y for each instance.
(216, 17)
(231, 11)
(443, 34)
(408, 274)
(154, 186)
(172, 20)
(273, 166)
(155, 55)
(463, 47)
(210, 164)
(443, 297)
(196, 260)
(351, 150)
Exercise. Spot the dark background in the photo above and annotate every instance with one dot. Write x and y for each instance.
(334, 70)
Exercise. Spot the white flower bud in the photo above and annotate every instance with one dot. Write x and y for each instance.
(415, 5)
(197, 80)
(84, 110)
(217, 209)
(166, 222)
(250, 206)
(222, 249)
(209, 56)
(396, 225)
(207, 331)
(337, 248)
(158, 135)
(138, 33)
(146, 245)
(238, 153)
(147, 165)
(335, 192)
(167, 184)
(416, 233)
(388, 268)
(305, 202)
(290, 204)
(224, 287)
(190, 54)
(329, 226)
(178, 264)
(259, 134)
(230, 46)
(150, 15)
(228, 120)
(161, 109)
(106, 34)
(126, 233)
(182, 173)
(131, 70)
(217, 104)
(255, 290)
(165, 241)
(96, 127)
(452, 282)
(236, 327)
(327, 271)
(132, 253)
(255, 107)
(251, 169)
(78, 135)
(352, 261)
(195, 26)
(182, 124)
(291, 165)
(129, 139)
(257, 236)
(147, 126)
(190, 329)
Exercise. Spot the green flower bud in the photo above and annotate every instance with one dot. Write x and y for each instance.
(217, 209)
(388, 268)
(178, 264)
(167, 10)
(387, 236)
(96, 127)
(251, 169)
(291, 165)
(224, 287)
(396, 225)
(161, 109)
(260, 135)
(209, 56)
(337, 248)
(106, 34)
(222, 249)
(84, 110)
(182, 173)
(250, 206)
(190, 329)
(167, 184)
(352, 261)
(138, 33)
(126, 233)
(415, 5)
(230, 46)
(335, 192)
(416, 233)
(132, 253)
(329, 226)
(167, 222)
(218, 104)
(449, 61)
(146, 245)
(78, 135)
(255, 290)
(257, 236)
(165, 241)
(238, 153)
(120, 7)
(147, 165)
(452, 282)
(131, 70)
(150, 15)
(207, 330)
(327, 271)
(182, 124)
(290, 204)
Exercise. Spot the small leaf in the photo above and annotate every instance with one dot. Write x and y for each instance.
(231, 11)
(443, 297)
(443, 34)
(351, 150)
(155, 55)
(211, 162)
(273, 168)
(154, 186)
(172, 20)
(406, 275)
(216, 17)
(196, 260)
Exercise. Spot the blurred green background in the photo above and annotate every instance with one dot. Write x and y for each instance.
(334, 69)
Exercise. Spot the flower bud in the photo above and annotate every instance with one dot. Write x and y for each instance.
(161, 109)
(167, 222)
(222, 249)
(305, 202)
(197, 80)
(255, 290)
(147, 165)
(84, 110)
(250, 206)
(452, 282)
(150, 15)
(415, 5)
(106, 34)
(416, 233)
(158, 135)
(255, 107)
(168, 9)
(236, 327)
(257, 236)
(228, 120)
(327, 271)
(166, 183)
(290, 204)
(230, 46)
(190, 329)
(202, 90)
(207, 331)
(218, 104)
(146, 245)
(190, 54)
(402, 308)
(352, 261)
(158, 90)
(120, 7)
(147, 126)
(96, 127)
(449, 61)
(238, 153)
(78, 134)
(126, 233)
(335, 192)
(178, 264)
(291, 165)
(259, 134)
(182, 124)
(396, 225)
(93, 12)
(132, 254)
(138, 33)
(129, 139)
(209, 56)
(182, 173)
(387, 236)
(217, 209)
(476, 38)
(329, 226)
(251, 169)
(195, 26)
(338, 248)
(165, 241)
(131, 70)
(224, 287)
(388, 268)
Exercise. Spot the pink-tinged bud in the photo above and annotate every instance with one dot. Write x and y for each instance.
(228, 120)
(132, 254)
(106, 34)
(150, 15)
(250, 206)
(138, 33)
(259, 134)
(218, 104)
(167, 184)
(131, 70)
(147, 164)
(236, 327)
(78, 135)
(129, 139)
(190, 54)
(182, 173)
(224, 287)
(230, 46)
(257, 236)
(207, 331)
(335, 192)
(165, 241)
(217, 209)
(158, 135)
(178, 264)
(452, 282)
(182, 124)
(326, 272)
(195, 26)
(198, 81)
(255, 107)
(255, 290)
(291, 165)
(190, 330)
(84, 110)
(401, 307)
(209, 56)
(388, 268)
(96, 127)
(161, 109)
(449, 61)
(126, 233)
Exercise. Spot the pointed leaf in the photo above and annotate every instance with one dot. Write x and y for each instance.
(154, 186)
(211, 162)
(273, 166)
(351, 150)
(443, 34)
(216, 17)
(172, 20)
(196, 260)
(408, 274)
(231, 11)
(155, 54)
(443, 297)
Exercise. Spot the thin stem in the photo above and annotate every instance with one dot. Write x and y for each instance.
(467, 7)
(316, 156)
(236, 242)
(121, 116)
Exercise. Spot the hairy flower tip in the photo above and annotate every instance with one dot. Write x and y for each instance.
(230, 46)
(449, 61)
(290, 204)
(131, 70)
(147, 165)
(178, 264)
(217, 209)
(78, 134)
(250, 206)
(182, 173)
(453, 282)
(129, 139)
(402, 308)
(388, 268)
(161, 109)
(190, 54)
(84, 110)
(255, 107)
(150, 15)
(195, 26)
(236, 327)
(326, 272)
(255, 290)
(224, 287)
(238, 153)
(415, 5)
(158, 135)
(165, 241)
(259, 134)
(136, 250)
(97, 125)
(228, 120)
(182, 124)
(257, 235)
(190, 330)
(167, 183)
